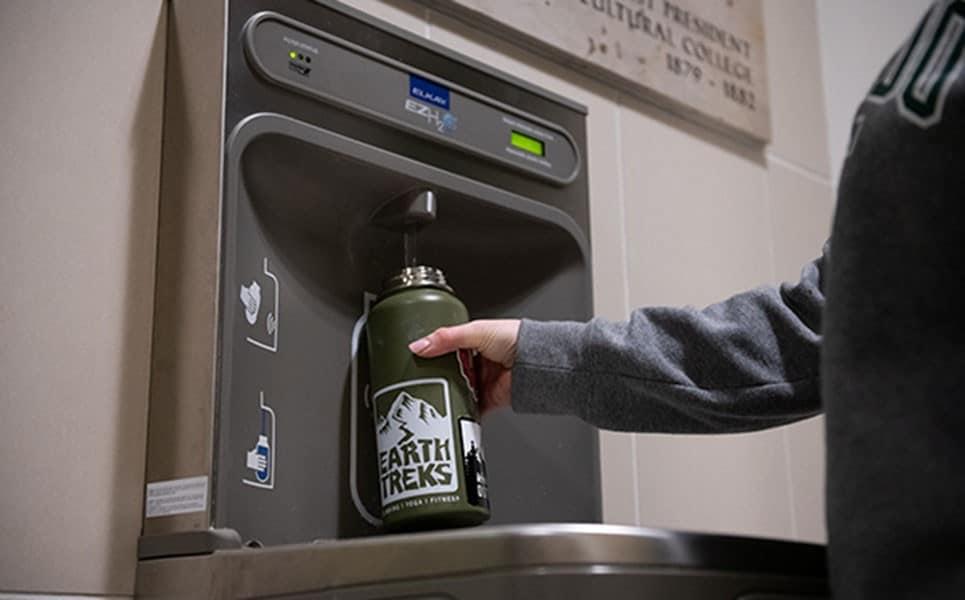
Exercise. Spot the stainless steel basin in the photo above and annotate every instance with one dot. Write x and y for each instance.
(531, 561)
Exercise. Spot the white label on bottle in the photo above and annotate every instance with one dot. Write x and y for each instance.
(415, 440)
(176, 496)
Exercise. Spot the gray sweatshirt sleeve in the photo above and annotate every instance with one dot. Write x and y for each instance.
(750, 362)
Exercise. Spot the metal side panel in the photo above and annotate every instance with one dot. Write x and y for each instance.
(571, 561)
(184, 353)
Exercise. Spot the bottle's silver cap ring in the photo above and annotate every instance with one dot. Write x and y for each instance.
(420, 276)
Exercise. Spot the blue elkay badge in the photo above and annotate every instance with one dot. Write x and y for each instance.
(427, 91)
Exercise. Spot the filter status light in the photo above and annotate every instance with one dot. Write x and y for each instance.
(529, 144)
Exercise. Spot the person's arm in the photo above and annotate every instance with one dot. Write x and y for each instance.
(750, 362)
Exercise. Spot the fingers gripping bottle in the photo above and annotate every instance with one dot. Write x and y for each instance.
(432, 468)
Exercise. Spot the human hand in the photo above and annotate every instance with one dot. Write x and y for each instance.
(495, 342)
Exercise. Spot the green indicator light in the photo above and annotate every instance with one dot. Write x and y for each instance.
(292, 55)
(524, 142)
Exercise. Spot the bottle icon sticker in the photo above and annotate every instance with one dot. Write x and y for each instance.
(264, 336)
(262, 457)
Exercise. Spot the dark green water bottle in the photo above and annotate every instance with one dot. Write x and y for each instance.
(432, 469)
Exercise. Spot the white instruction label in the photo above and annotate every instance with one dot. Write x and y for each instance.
(176, 496)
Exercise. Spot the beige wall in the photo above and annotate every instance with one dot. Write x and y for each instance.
(80, 135)
(683, 215)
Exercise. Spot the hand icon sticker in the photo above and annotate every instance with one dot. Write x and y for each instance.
(251, 299)
(261, 458)
(257, 459)
(254, 297)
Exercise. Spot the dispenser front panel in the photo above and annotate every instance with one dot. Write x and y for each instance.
(310, 61)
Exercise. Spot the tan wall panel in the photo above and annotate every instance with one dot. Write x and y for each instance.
(80, 140)
(794, 73)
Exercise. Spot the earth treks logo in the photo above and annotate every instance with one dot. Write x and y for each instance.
(415, 440)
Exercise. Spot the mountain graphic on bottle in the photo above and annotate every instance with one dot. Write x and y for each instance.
(410, 417)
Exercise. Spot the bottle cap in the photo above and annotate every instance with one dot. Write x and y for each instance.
(411, 277)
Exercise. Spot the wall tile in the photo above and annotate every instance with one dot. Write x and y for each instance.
(801, 212)
(802, 206)
(806, 450)
(725, 484)
(618, 476)
(696, 217)
(796, 94)
(405, 14)
(607, 214)
(698, 231)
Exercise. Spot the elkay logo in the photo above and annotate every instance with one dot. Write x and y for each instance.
(430, 96)
(425, 90)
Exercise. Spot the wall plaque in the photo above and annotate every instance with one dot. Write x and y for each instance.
(702, 58)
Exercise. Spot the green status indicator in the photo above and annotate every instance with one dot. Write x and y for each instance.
(293, 55)
(524, 142)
